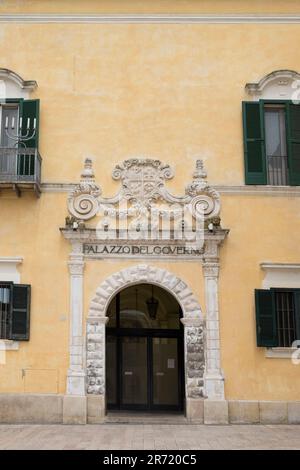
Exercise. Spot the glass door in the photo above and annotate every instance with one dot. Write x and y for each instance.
(134, 376)
(144, 351)
(165, 388)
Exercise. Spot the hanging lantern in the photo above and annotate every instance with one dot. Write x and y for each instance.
(152, 306)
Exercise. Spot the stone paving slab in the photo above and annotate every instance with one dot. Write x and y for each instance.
(149, 437)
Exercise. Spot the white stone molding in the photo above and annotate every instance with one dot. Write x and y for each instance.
(282, 275)
(6, 74)
(76, 384)
(285, 191)
(214, 380)
(267, 190)
(9, 269)
(150, 18)
(9, 345)
(281, 353)
(280, 84)
(192, 320)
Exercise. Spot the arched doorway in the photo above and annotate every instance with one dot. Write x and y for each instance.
(144, 350)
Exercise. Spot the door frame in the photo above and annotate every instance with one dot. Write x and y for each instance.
(198, 383)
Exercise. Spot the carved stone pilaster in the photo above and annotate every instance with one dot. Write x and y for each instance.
(194, 356)
(211, 270)
(76, 372)
(96, 355)
(214, 381)
(76, 268)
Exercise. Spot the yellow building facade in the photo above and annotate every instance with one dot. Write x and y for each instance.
(149, 237)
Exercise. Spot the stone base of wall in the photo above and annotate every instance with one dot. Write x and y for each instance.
(74, 409)
(32, 409)
(242, 412)
(58, 409)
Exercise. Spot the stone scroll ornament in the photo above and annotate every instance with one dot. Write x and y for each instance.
(204, 199)
(143, 188)
(83, 203)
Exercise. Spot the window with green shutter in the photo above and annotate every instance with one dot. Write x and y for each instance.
(293, 128)
(19, 136)
(30, 113)
(20, 117)
(5, 309)
(14, 311)
(266, 331)
(277, 317)
(254, 143)
(272, 142)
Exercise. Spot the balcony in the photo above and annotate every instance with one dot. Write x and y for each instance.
(20, 169)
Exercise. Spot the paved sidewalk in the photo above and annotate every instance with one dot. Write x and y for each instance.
(149, 437)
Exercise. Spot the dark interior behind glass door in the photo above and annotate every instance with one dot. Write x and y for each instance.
(144, 350)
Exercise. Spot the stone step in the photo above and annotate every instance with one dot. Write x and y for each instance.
(144, 418)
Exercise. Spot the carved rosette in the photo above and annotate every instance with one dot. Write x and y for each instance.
(83, 203)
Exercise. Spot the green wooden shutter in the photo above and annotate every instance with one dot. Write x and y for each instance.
(20, 317)
(254, 143)
(30, 109)
(297, 312)
(266, 329)
(293, 140)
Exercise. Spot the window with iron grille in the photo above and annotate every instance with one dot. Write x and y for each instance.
(14, 311)
(285, 318)
(5, 310)
(277, 317)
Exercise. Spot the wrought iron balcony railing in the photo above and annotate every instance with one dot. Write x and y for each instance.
(20, 168)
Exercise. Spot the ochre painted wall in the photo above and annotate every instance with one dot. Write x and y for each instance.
(171, 92)
(150, 6)
(168, 91)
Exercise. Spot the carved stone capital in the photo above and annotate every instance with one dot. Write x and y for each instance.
(211, 270)
(97, 321)
(76, 267)
(192, 321)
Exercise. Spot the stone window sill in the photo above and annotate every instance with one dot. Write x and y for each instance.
(280, 353)
(9, 345)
